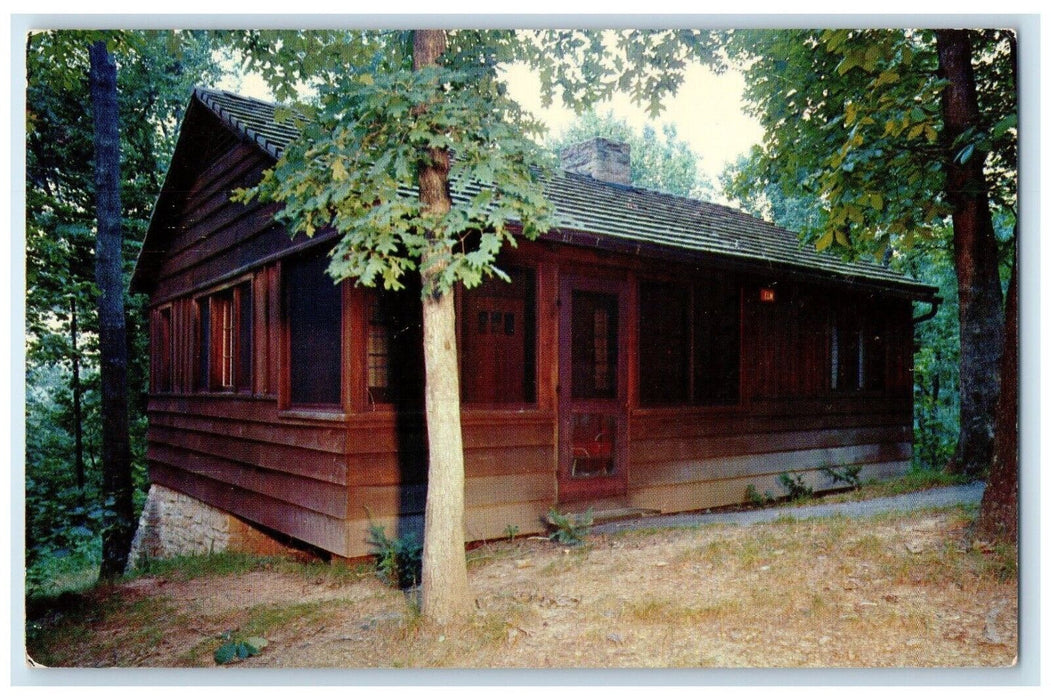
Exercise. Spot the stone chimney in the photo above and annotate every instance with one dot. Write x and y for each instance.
(602, 159)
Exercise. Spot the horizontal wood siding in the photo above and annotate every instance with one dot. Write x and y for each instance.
(695, 460)
(509, 464)
(267, 510)
(239, 454)
(215, 236)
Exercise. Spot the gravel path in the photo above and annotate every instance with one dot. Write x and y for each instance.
(930, 498)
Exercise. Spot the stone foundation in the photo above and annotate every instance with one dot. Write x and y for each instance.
(174, 524)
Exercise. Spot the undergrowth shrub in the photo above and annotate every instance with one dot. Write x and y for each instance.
(754, 498)
(845, 475)
(399, 561)
(569, 529)
(795, 486)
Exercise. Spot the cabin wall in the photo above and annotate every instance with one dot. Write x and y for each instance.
(685, 461)
(231, 447)
(790, 418)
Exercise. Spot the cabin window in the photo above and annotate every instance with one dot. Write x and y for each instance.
(857, 351)
(224, 335)
(393, 347)
(689, 343)
(314, 315)
(716, 342)
(163, 351)
(377, 351)
(498, 338)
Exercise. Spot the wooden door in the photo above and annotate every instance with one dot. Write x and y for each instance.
(494, 354)
(592, 389)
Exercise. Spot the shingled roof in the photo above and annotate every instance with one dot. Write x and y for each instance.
(630, 219)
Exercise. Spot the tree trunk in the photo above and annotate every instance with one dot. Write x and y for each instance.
(445, 595)
(977, 265)
(78, 427)
(118, 523)
(998, 517)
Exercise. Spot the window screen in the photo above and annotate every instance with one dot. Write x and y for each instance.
(314, 312)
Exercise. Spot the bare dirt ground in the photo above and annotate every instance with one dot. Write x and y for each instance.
(888, 591)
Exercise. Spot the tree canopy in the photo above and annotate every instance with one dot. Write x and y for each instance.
(852, 119)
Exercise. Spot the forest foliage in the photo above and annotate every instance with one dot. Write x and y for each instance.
(65, 506)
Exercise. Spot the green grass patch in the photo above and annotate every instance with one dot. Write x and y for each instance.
(62, 631)
(334, 573)
(262, 620)
(666, 612)
(915, 480)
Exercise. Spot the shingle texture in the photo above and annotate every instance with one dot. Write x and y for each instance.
(622, 216)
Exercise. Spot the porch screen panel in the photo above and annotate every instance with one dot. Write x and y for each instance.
(243, 370)
(717, 342)
(594, 345)
(394, 348)
(664, 344)
(689, 342)
(314, 309)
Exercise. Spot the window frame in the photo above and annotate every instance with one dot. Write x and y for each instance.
(226, 366)
(163, 355)
(868, 350)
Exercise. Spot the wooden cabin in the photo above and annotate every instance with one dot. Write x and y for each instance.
(652, 352)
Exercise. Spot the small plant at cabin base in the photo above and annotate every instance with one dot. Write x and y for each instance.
(846, 475)
(234, 649)
(795, 486)
(569, 529)
(511, 532)
(753, 497)
(399, 561)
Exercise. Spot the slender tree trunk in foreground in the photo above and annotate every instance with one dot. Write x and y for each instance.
(977, 263)
(118, 524)
(998, 517)
(78, 427)
(445, 595)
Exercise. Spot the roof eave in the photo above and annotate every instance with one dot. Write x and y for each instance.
(904, 288)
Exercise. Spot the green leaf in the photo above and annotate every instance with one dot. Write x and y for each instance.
(851, 113)
(1004, 125)
(825, 241)
(965, 154)
(226, 653)
(887, 77)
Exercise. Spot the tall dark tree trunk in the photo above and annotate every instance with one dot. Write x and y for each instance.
(998, 516)
(445, 594)
(977, 264)
(119, 523)
(78, 426)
